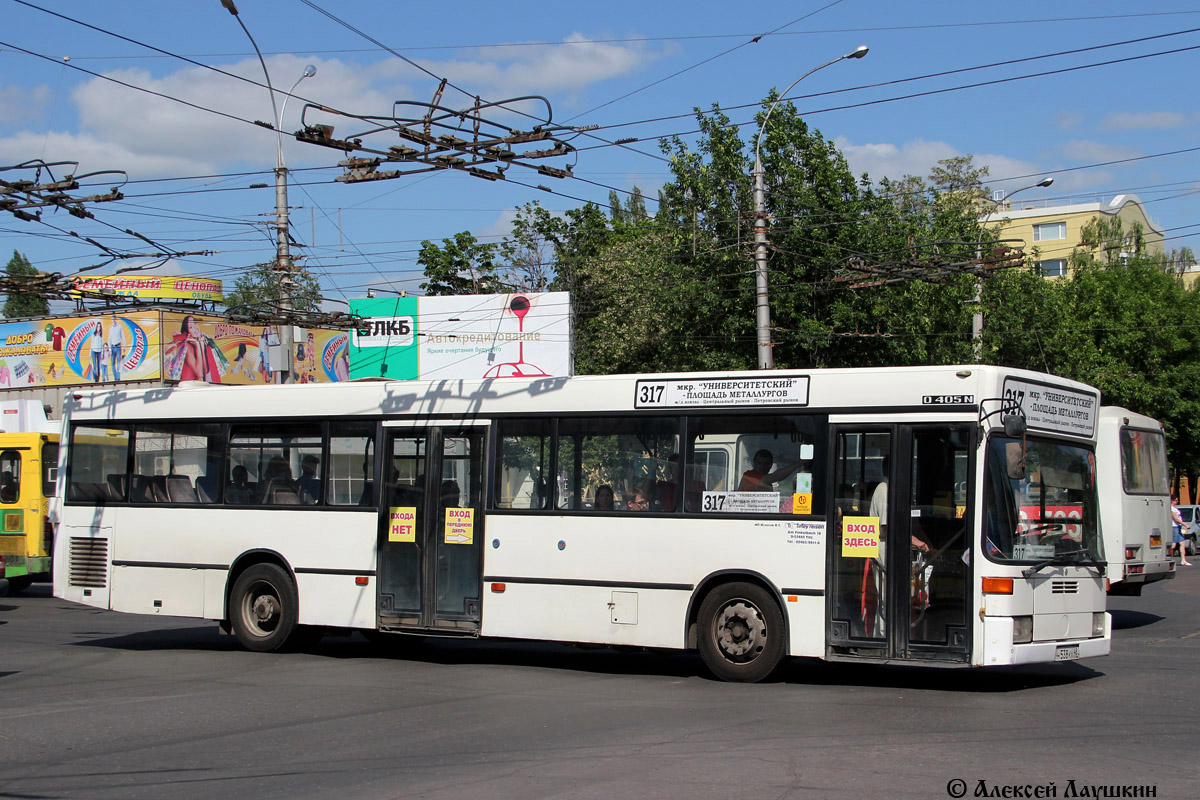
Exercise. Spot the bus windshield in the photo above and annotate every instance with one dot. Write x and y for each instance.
(1040, 501)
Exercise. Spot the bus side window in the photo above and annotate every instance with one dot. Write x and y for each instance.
(10, 476)
(351, 468)
(772, 462)
(96, 453)
(522, 476)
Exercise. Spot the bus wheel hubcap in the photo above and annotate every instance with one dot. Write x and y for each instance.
(740, 631)
(265, 609)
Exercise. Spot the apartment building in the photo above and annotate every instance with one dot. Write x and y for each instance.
(1054, 230)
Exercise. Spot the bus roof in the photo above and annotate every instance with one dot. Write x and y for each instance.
(960, 388)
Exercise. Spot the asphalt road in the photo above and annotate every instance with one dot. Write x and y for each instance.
(102, 705)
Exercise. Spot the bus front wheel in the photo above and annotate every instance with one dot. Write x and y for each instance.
(263, 608)
(741, 632)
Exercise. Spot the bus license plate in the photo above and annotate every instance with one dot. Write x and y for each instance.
(1068, 652)
(1155, 540)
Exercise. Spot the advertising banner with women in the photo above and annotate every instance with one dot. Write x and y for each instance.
(200, 348)
(65, 351)
(159, 345)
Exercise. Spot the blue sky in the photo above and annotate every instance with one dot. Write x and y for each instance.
(634, 69)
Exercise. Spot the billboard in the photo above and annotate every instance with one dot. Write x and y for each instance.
(66, 351)
(198, 348)
(159, 345)
(152, 287)
(462, 336)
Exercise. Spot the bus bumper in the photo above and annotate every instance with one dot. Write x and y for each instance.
(999, 648)
(1043, 652)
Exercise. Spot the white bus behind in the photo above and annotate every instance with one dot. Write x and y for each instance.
(1135, 502)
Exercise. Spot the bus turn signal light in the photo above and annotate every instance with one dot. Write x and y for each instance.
(498, 587)
(997, 585)
(360, 580)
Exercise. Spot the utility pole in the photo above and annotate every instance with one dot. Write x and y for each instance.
(283, 254)
(762, 304)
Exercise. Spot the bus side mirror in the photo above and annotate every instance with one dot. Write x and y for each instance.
(1014, 425)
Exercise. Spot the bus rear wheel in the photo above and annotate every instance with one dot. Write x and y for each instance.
(741, 633)
(263, 608)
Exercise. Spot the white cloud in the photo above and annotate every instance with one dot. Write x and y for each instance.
(1091, 152)
(542, 69)
(149, 136)
(19, 102)
(886, 160)
(94, 154)
(500, 227)
(1068, 120)
(918, 157)
(1146, 120)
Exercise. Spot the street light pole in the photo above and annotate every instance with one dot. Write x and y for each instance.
(977, 317)
(283, 255)
(762, 307)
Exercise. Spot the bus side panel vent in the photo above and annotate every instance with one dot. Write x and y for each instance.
(89, 562)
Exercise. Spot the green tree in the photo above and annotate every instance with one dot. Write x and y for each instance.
(18, 303)
(462, 265)
(530, 250)
(1105, 239)
(259, 289)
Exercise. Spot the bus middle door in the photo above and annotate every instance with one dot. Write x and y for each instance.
(899, 563)
(430, 562)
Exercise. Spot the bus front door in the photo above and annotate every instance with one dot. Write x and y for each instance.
(899, 561)
(430, 549)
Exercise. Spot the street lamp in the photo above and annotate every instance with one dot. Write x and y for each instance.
(282, 248)
(762, 308)
(977, 317)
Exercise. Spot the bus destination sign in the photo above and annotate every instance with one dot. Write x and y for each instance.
(776, 390)
(1054, 408)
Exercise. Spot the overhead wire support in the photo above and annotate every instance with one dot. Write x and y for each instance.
(932, 262)
(16, 196)
(436, 137)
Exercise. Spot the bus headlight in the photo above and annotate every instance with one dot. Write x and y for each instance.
(1022, 630)
(1097, 624)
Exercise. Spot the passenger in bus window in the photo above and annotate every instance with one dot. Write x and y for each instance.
(604, 498)
(760, 478)
(638, 501)
(240, 490)
(278, 469)
(277, 482)
(310, 482)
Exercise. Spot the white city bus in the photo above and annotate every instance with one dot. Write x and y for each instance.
(1135, 500)
(745, 515)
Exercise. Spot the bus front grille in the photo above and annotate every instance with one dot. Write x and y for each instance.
(1064, 587)
(89, 562)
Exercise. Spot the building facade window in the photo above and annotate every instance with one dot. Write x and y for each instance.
(1049, 231)
(1053, 267)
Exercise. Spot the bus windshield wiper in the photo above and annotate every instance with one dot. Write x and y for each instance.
(1065, 557)
(1048, 526)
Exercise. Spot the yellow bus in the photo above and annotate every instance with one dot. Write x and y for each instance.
(28, 470)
